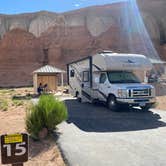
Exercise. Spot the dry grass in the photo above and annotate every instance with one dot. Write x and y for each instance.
(6, 96)
(12, 121)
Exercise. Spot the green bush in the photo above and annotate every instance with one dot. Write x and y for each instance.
(3, 105)
(47, 113)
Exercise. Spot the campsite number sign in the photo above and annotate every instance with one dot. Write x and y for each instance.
(14, 149)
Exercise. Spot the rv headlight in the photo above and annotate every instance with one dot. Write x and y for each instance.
(122, 93)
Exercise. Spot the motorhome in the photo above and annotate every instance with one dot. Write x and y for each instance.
(113, 78)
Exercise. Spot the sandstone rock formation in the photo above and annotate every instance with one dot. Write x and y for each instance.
(20, 54)
(72, 35)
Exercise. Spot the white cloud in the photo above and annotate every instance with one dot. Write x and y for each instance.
(77, 5)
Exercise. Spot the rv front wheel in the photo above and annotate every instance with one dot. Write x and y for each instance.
(112, 103)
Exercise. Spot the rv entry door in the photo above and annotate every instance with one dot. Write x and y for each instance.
(86, 89)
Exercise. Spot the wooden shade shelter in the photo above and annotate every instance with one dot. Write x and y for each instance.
(47, 75)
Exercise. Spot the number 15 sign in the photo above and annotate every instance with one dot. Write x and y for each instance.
(14, 148)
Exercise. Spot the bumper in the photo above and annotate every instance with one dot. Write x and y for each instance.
(137, 101)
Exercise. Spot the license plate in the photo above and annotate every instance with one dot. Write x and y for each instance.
(142, 104)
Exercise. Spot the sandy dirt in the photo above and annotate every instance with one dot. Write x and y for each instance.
(42, 153)
(161, 103)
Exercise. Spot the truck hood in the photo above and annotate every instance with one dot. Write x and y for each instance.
(134, 86)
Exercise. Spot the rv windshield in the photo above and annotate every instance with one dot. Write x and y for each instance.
(122, 77)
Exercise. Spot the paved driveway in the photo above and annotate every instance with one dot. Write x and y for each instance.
(95, 136)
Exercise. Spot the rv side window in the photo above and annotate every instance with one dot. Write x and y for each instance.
(103, 78)
(71, 73)
(85, 76)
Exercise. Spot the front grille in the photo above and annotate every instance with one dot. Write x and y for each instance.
(141, 92)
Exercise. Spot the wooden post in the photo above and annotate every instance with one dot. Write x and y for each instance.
(35, 82)
(62, 79)
(62, 82)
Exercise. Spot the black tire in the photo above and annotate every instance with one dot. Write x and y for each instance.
(79, 99)
(112, 103)
(77, 96)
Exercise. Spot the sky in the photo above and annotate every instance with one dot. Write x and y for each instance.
(28, 6)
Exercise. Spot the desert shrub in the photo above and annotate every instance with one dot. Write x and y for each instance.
(3, 105)
(47, 113)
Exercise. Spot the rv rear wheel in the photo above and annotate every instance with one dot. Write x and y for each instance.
(79, 99)
(77, 96)
(112, 103)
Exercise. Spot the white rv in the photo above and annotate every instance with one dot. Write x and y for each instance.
(113, 78)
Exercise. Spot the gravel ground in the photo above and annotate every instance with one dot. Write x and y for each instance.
(95, 136)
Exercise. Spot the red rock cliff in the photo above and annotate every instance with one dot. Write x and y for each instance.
(72, 35)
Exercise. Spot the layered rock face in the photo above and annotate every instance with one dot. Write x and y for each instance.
(153, 13)
(20, 54)
(72, 35)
